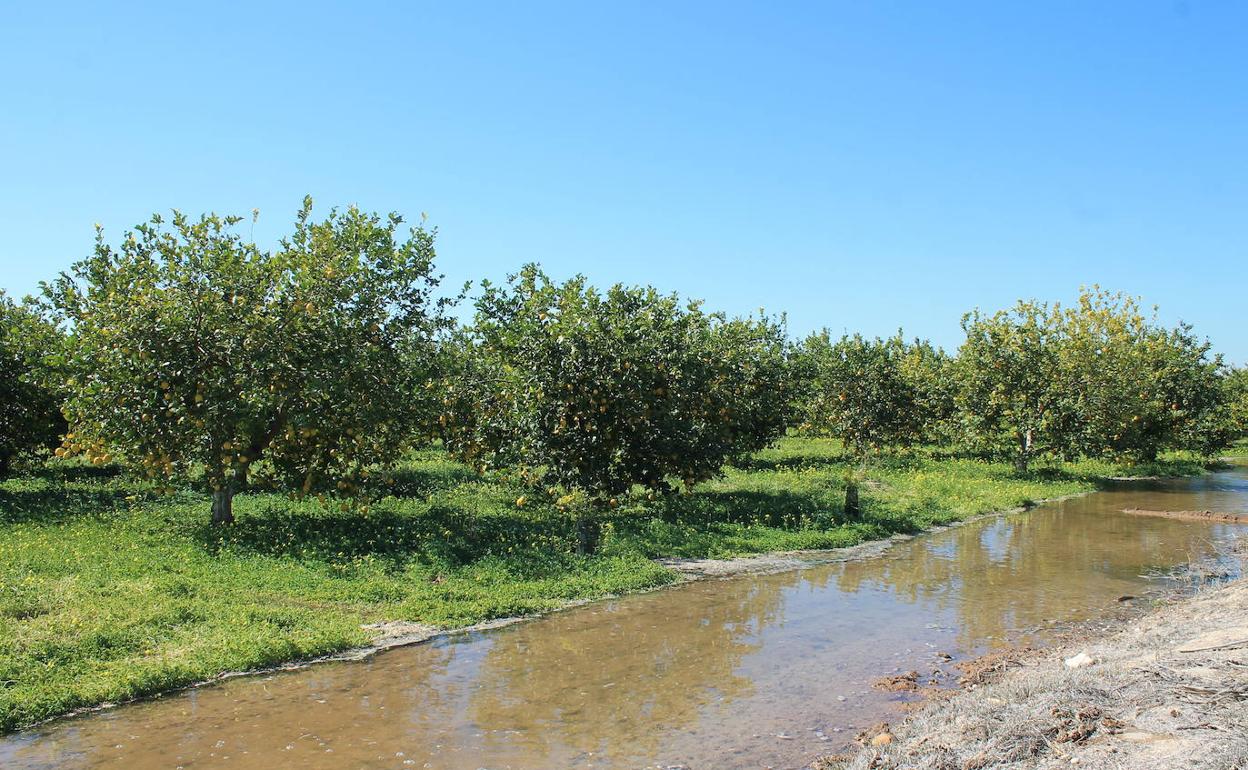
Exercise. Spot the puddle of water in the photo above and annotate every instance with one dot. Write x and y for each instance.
(761, 671)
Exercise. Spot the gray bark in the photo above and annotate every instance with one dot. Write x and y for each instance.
(223, 505)
(1023, 460)
(588, 532)
(852, 509)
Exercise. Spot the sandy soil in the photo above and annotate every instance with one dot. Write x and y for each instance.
(1200, 515)
(1170, 691)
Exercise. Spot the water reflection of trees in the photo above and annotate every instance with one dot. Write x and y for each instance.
(615, 682)
(1017, 573)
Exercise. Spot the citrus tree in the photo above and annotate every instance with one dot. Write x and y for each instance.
(931, 374)
(857, 390)
(1235, 394)
(197, 354)
(30, 393)
(1013, 398)
(589, 393)
(1139, 387)
(1183, 406)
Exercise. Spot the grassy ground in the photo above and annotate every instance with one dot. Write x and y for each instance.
(1238, 450)
(109, 591)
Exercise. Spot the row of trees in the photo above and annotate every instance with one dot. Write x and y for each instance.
(188, 352)
(1099, 379)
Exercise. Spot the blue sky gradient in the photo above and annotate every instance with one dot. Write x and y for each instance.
(861, 166)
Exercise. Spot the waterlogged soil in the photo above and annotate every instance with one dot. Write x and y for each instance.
(759, 670)
(1209, 515)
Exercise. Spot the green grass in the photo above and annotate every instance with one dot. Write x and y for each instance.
(109, 591)
(1238, 450)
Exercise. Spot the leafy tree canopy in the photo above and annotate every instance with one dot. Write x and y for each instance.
(196, 352)
(592, 392)
(1013, 396)
(870, 393)
(1139, 388)
(30, 386)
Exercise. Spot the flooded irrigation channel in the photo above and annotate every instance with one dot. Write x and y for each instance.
(746, 672)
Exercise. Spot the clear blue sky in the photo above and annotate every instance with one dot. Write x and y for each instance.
(860, 165)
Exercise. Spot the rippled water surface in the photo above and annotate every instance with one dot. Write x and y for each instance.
(750, 672)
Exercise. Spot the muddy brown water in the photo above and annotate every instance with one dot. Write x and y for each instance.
(746, 672)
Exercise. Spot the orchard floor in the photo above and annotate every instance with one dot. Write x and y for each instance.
(110, 591)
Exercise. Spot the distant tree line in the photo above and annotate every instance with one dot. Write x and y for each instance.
(187, 352)
(1099, 379)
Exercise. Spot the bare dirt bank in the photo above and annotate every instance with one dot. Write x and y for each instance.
(1196, 515)
(1170, 691)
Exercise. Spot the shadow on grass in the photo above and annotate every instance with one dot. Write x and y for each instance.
(39, 500)
(1106, 475)
(770, 508)
(393, 533)
(815, 454)
(424, 480)
(792, 462)
(461, 527)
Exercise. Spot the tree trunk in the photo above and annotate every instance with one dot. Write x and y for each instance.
(1023, 460)
(588, 531)
(852, 509)
(223, 505)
